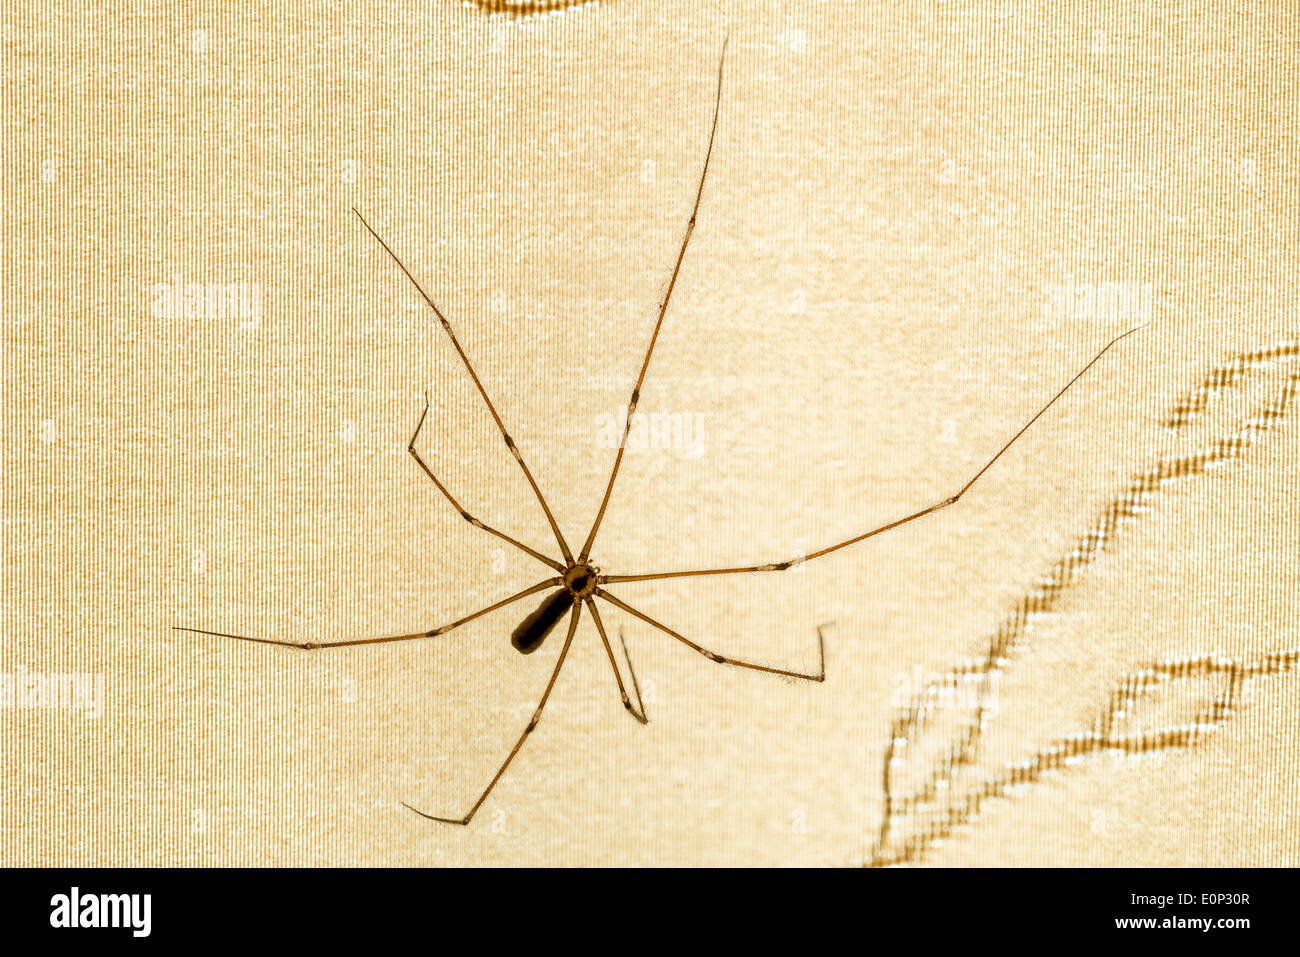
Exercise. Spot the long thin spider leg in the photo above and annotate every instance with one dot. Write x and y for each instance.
(663, 309)
(410, 447)
(442, 630)
(714, 656)
(627, 703)
(636, 685)
(782, 566)
(532, 723)
(510, 443)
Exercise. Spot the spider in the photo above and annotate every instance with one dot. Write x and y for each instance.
(579, 584)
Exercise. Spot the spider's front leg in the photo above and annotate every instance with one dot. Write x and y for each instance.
(478, 384)
(921, 513)
(415, 454)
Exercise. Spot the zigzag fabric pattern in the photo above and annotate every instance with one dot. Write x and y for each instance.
(914, 820)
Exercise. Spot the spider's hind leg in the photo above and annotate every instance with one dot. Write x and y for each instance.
(528, 729)
(820, 675)
(353, 642)
(639, 711)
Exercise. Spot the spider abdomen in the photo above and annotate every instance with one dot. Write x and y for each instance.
(532, 631)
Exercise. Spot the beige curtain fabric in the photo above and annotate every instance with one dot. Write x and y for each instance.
(920, 221)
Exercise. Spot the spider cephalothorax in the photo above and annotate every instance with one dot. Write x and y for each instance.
(580, 581)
